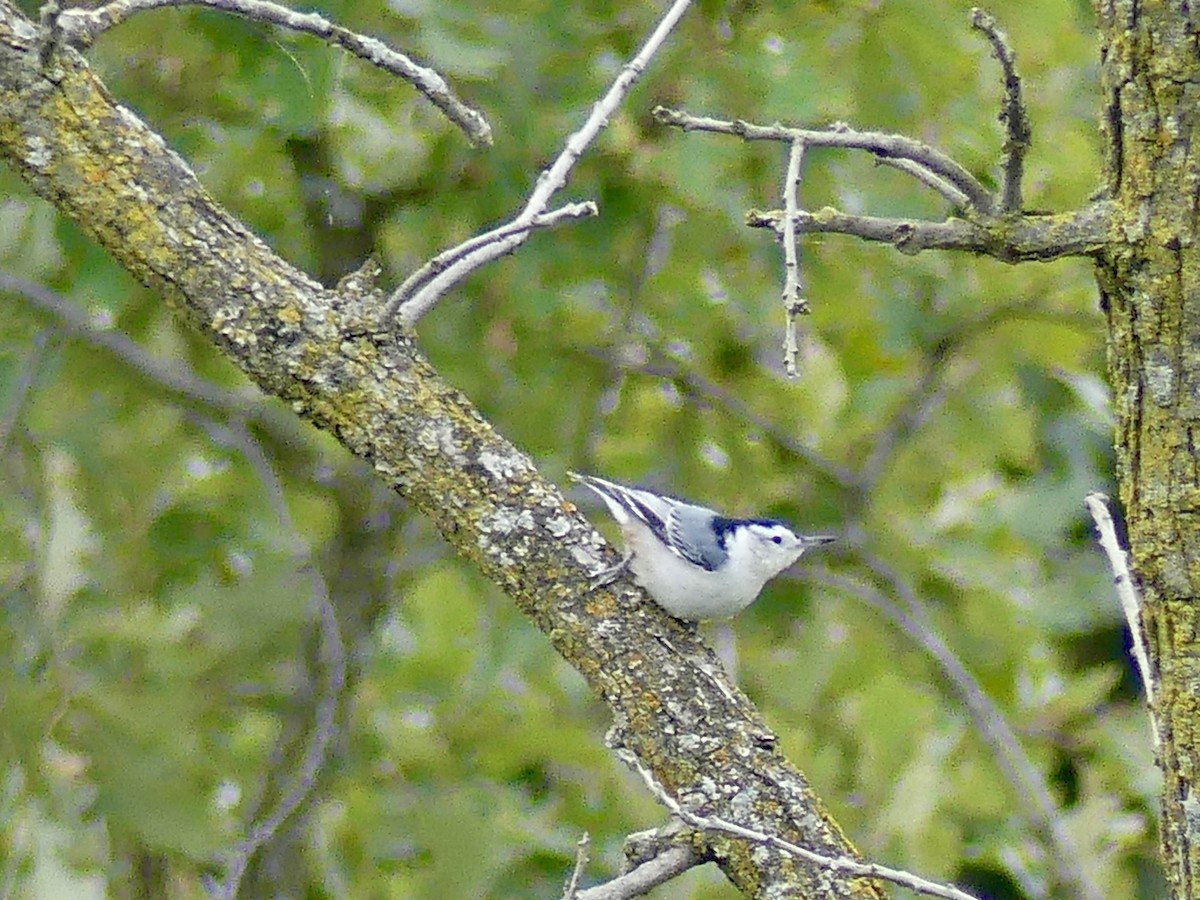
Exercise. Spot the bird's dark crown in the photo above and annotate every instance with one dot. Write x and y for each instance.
(723, 526)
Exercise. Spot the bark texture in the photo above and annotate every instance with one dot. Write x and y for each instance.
(324, 353)
(1150, 283)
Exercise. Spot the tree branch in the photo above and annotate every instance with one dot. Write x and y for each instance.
(794, 302)
(458, 262)
(1028, 786)
(837, 864)
(571, 891)
(22, 387)
(1025, 238)
(80, 27)
(1017, 131)
(670, 863)
(884, 146)
(1131, 604)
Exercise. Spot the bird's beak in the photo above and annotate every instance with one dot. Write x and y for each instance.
(813, 540)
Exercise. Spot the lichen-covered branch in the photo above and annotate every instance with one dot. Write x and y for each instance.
(1011, 239)
(325, 353)
(1017, 130)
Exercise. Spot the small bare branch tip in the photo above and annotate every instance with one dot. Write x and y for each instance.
(793, 280)
(1014, 117)
(981, 19)
(1131, 604)
(424, 287)
(571, 890)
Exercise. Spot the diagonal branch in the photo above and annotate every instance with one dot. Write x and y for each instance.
(243, 404)
(325, 354)
(23, 385)
(936, 183)
(1127, 595)
(639, 881)
(459, 261)
(1030, 789)
(80, 27)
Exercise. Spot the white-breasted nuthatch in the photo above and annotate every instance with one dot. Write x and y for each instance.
(697, 563)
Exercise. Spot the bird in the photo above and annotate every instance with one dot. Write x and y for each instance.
(696, 563)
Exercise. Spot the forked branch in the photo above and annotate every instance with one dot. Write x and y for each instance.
(420, 292)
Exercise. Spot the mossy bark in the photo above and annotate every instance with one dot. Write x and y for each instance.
(1150, 284)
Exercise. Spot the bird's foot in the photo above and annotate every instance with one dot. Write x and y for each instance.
(607, 576)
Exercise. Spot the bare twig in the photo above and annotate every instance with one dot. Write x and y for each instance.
(456, 265)
(571, 891)
(416, 299)
(935, 182)
(1017, 132)
(833, 863)
(81, 27)
(670, 863)
(794, 301)
(885, 146)
(1026, 238)
(1131, 604)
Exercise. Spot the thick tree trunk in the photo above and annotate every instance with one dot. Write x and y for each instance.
(1150, 282)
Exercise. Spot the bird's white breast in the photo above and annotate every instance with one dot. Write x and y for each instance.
(683, 589)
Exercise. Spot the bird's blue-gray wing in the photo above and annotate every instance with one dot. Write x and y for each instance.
(690, 534)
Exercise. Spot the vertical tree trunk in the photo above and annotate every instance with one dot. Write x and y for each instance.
(1150, 284)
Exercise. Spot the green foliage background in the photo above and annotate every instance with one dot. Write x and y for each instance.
(157, 645)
